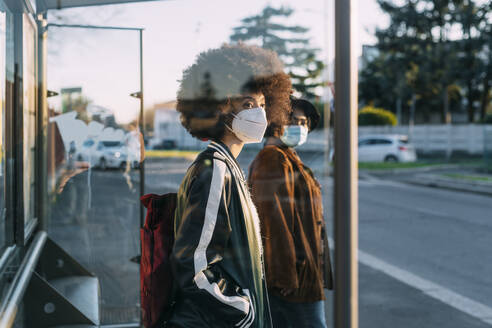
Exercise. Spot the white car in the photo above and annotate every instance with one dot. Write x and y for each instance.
(103, 154)
(386, 148)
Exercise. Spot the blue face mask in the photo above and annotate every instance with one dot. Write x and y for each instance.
(294, 135)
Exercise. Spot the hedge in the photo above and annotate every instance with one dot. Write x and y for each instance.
(376, 116)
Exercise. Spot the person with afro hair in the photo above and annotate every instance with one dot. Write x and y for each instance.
(228, 96)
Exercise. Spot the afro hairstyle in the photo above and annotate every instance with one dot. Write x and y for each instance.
(219, 75)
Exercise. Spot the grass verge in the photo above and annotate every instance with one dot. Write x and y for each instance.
(471, 163)
(468, 177)
(389, 166)
(188, 154)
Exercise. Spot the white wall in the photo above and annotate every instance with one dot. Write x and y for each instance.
(427, 138)
(75, 130)
(167, 126)
(468, 138)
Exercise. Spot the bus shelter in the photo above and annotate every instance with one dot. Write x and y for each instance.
(42, 284)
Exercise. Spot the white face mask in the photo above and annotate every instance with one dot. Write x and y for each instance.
(249, 125)
(294, 135)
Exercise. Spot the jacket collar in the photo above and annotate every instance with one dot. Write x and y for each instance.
(224, 151)
(288, 151)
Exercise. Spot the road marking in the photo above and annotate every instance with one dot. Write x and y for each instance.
(371, 182)
(436, 291)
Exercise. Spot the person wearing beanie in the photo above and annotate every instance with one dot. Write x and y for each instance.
(289, 202)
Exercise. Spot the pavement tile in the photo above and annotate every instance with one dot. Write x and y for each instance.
(384, 302)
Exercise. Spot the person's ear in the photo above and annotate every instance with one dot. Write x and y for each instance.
(229, 106)
(281, 130)
(226, 108)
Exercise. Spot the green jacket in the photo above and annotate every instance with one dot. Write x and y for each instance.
(217, 255)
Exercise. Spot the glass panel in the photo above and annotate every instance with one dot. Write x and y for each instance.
(290, 185)
(94, 154)
(3, 34)
(424, 203)
(423, 251)
(95, 212)
(29, 105)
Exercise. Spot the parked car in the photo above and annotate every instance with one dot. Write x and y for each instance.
(104, 154)
(85, 153)
(386, 148)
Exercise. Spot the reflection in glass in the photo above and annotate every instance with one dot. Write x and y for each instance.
(29, 105)
(94, 154)
(3, 32)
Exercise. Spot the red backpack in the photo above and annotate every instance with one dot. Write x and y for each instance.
(157, 240)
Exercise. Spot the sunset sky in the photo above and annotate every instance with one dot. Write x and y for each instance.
(105, 63)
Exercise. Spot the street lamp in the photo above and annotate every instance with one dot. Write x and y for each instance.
(346, 171)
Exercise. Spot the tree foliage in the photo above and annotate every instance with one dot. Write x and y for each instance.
(288, 41)
(488, 119)
(78, 104)
(437, 50)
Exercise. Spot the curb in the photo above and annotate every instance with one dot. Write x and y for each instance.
(477, 188)
(382, 172)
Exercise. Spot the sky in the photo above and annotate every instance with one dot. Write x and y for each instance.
(106, 63)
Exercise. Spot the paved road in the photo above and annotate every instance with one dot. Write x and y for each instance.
(444, 236)
(439, 235)
(95, 219)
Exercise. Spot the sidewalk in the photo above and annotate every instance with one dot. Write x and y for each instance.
(446, 177)
(452, 183)
(385, 302)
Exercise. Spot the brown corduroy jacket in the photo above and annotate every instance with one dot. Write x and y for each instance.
(289, 203)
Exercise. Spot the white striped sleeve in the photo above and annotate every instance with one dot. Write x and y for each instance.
(200, 254)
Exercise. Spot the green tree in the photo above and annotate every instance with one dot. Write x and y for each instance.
(288, 41)
(472, 65)
(412, 51)
(383, 83)
(422, 58)
(78, 104)
(486, 38)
